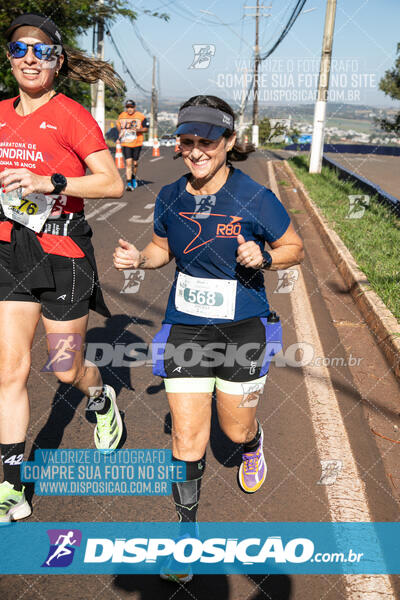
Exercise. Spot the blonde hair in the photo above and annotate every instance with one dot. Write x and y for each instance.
(80, 67)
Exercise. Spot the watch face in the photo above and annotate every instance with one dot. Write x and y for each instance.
(59, 182)
(59, 179)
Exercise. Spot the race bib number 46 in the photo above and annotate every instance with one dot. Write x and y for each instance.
(209, 298)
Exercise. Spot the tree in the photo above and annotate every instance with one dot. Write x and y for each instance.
(390, 84)
(73, 17)
(264, 131)
(293, 134)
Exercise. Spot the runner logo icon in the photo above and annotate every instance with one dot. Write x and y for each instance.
(62, 350)
(204, 205)
(62, 547)
(202, 55)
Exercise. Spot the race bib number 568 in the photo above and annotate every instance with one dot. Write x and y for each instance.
(209, 298)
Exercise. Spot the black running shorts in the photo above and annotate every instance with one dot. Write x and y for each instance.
(133, 153)
(74, 281)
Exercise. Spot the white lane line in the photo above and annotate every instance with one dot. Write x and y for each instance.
(154, 159)
(346, 498)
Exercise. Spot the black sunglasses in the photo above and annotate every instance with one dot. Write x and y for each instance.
(41, 51)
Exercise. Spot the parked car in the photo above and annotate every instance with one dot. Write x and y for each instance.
(167, 140)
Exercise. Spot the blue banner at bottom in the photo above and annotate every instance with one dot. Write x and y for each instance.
(213, 548)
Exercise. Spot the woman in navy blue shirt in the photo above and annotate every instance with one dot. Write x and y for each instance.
(218, 331)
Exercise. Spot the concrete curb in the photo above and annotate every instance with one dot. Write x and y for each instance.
(377, 315)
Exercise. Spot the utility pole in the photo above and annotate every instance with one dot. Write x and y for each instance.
(154, 104)
(257, 62)
(242, 104)
(97, 89)
(256, 67)
(317, 143)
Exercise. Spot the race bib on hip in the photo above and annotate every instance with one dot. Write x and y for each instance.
(208, 298)
(31, 211)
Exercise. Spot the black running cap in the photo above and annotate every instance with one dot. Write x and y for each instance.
(204, 121)
(41, 22)
(130, 103)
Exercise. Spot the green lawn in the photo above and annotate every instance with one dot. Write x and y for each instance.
(373, 239)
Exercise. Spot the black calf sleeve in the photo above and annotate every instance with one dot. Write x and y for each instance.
(187, 493)
(12, 456)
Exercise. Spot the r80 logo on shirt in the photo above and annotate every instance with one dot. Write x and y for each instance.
(228, 229)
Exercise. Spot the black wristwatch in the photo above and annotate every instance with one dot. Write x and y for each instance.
(59, 182)
(267, 260)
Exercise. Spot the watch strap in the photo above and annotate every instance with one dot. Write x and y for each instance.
(267, 260)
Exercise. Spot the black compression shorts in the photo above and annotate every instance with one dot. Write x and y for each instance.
(74, 281)
(238, 351)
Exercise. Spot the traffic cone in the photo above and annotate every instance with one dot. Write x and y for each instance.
(156, 147)
(177, 148)
(119, 159)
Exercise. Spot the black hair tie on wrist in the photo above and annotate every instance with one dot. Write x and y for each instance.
(267, 260)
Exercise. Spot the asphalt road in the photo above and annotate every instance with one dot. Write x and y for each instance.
(367, 396)
(381, 170)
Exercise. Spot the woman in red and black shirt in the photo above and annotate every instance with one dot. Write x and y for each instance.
(47, 265)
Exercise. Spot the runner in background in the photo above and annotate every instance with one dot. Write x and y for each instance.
(131, 124)
(47, 263)
(218, 331)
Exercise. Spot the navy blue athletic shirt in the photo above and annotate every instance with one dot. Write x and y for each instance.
(202, 230)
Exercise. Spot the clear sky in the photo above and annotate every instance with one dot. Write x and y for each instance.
(365, 42)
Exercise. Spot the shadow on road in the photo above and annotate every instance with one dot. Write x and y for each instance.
(142, 182)
(67, 399)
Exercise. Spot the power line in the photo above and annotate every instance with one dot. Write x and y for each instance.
(260, 12)
(292, 19)
(189, 15)
(125, 66)
(141, 40)
(150, 53)
(281, 16)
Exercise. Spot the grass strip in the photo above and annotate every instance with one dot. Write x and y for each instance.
(373, 239)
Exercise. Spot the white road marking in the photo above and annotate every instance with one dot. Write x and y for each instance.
(154, 159)
(139, 219)
(346, 499)
(112, 207)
